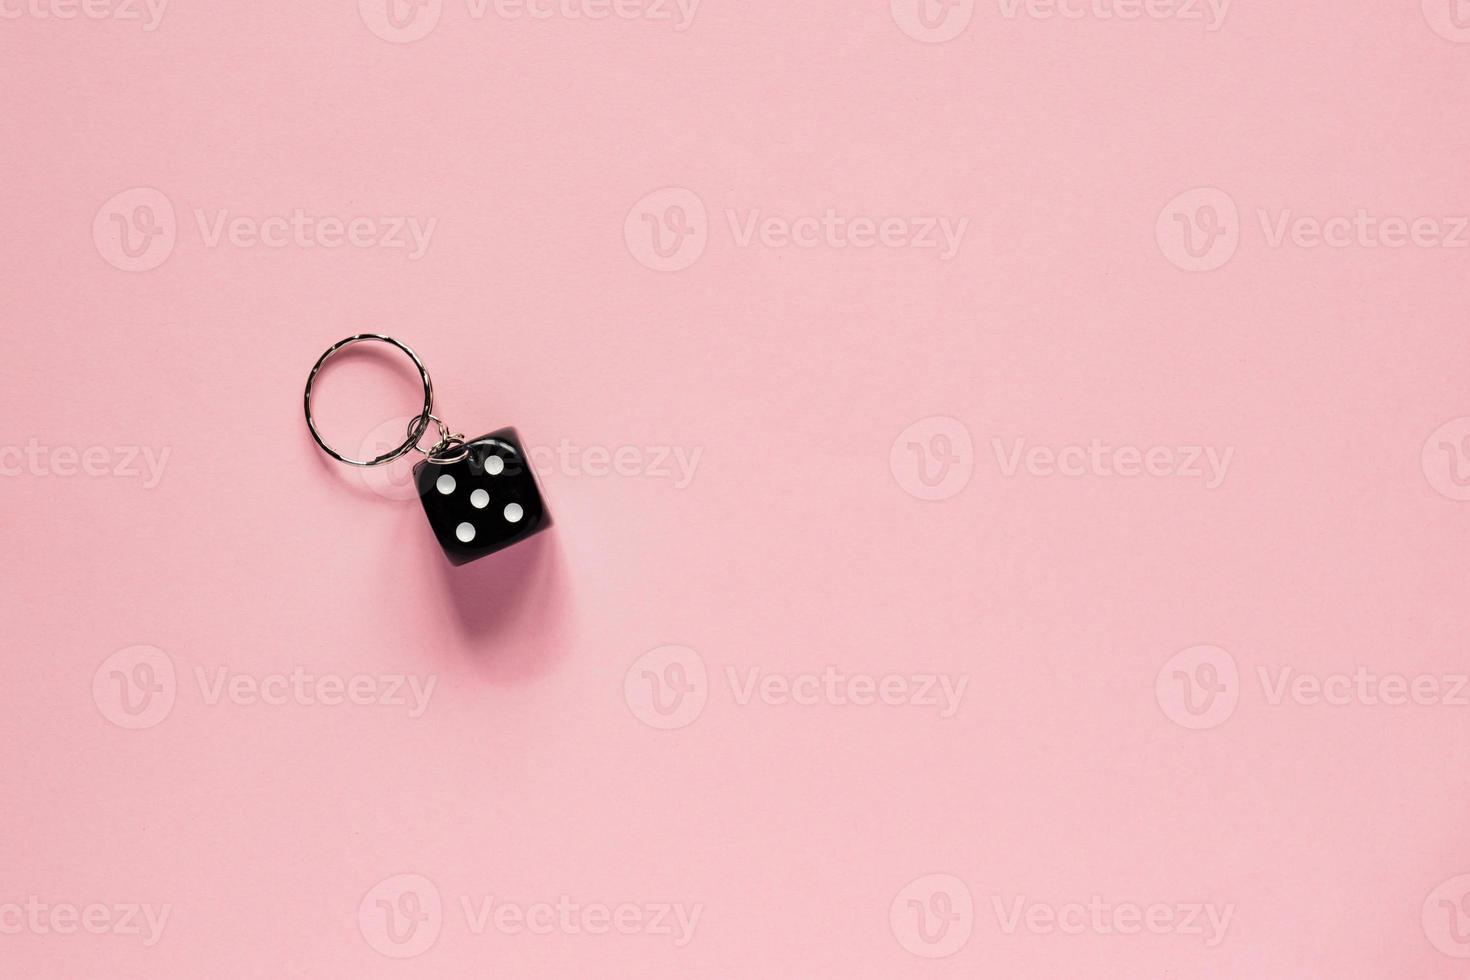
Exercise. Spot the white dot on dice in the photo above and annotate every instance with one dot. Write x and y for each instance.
(465, 532)
(479, 499)
(513, 512)
(445, 484)
(493, 465)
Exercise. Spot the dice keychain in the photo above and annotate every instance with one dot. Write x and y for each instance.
(480, 495)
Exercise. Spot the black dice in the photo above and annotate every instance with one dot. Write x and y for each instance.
(484, 502)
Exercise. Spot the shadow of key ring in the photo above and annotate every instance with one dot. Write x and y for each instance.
(416, 427)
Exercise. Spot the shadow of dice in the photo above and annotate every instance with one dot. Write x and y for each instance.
(485, 502)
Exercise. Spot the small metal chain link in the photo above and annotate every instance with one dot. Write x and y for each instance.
(450, 448)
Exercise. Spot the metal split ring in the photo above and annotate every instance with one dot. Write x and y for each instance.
(450, 448)
(437, 453)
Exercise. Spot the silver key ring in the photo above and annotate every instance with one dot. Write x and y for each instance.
(416, 427)
(451, 447)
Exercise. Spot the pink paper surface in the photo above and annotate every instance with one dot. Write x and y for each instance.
(1011, 464)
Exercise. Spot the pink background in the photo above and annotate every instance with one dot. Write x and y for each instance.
(536, 771)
